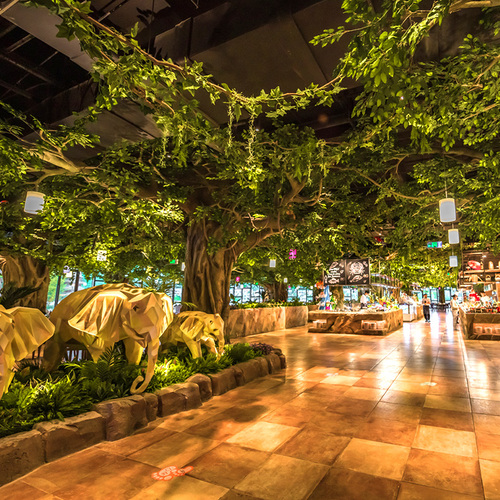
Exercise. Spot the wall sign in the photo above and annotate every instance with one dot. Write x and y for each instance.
(336, 273)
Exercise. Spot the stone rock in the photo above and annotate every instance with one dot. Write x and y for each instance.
(20, 454)
(123, 416)
(204, 384)
(296, 316)
(247, 371)
(151, 406)
(170, 402)
(191, 392)
(263, 366)
(282, 361)
(273, 362)
(223, 381)
(62, 437)
(243, 322)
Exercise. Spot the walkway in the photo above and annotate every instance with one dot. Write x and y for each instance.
(415, 415)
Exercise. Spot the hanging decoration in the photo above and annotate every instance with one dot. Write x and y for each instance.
(447, 212)
(102, 255)
(34, 202)
(453, 236)
(292, 254)
(272, 262)
(453, 261)
(183, 266)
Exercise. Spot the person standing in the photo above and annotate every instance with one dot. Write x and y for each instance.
(364, 300)
(426, 305)
(454, 308)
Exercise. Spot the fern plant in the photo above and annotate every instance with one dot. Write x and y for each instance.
(11, 294)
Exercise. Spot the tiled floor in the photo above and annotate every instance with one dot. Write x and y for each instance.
(415, 415)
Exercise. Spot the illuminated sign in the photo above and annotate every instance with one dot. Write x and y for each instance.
(292, 254)
(434, 244)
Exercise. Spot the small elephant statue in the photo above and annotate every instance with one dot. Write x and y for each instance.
(22, 331)
(100, 316)
(196, 328)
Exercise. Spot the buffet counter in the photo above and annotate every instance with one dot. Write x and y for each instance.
(479, 325)
(363, 322)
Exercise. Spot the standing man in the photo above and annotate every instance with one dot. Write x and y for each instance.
(454, 308)
(426, 305)
(364, 300)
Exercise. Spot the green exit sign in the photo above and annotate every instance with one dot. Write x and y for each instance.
(434, 244)
(174, 261)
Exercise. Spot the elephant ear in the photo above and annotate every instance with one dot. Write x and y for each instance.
(101, 315)
(192, 326)
(6, 328)
(31, 330)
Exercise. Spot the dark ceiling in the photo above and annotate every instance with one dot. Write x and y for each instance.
(248, 44)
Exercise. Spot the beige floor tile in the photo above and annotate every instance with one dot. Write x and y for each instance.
(227, 464)
(444, 471)
(178, 449)
(264, 436)
(409, 491)
(370, 394)
(446, 441)
(283, 478)
(490, 472)
(181, 488)
(447, 403)
(340, 380)
(371, 457)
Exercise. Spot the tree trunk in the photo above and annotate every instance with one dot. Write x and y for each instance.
(23, 270)
(277, 290)
(207, 275)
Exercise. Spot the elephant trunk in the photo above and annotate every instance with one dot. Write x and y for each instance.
(153, 347)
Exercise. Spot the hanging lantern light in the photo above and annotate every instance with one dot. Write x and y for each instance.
(453, 236)
(447, 212)
(34, 202)
(102, 255)
(453, 261)
(272, 262)
(183, 266)
(285, 280)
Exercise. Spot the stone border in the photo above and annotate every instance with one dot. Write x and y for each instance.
(117, 418)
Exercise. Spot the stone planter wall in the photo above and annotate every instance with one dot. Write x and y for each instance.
(243, 322)
(117, 418)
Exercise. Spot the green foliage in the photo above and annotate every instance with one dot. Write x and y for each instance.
(10, 294)
(240, 352)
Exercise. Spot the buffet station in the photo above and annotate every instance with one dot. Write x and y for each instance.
(480, 323)
(363, 322)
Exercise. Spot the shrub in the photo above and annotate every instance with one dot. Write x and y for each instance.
(261, 349)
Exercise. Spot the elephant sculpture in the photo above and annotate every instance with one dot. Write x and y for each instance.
(100, 316)
(22, 331)
(196, 328)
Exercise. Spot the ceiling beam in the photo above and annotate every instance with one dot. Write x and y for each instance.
(28, 66)
(15, 89)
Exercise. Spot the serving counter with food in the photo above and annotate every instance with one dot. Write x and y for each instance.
(368, 321)
(479, 322)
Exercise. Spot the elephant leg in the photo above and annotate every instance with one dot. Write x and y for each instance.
(194, 347)
(53, 352)
(133, 351)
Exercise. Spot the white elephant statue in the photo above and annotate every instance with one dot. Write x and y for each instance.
(100, 316)
(22, 331)
(196, 328)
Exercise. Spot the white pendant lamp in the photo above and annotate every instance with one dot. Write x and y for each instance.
(183, 266)
(453, 236)
(34, 202)
(453, 261)
(272, 262)
(447, 212)
(102, 255)
(285, 280)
